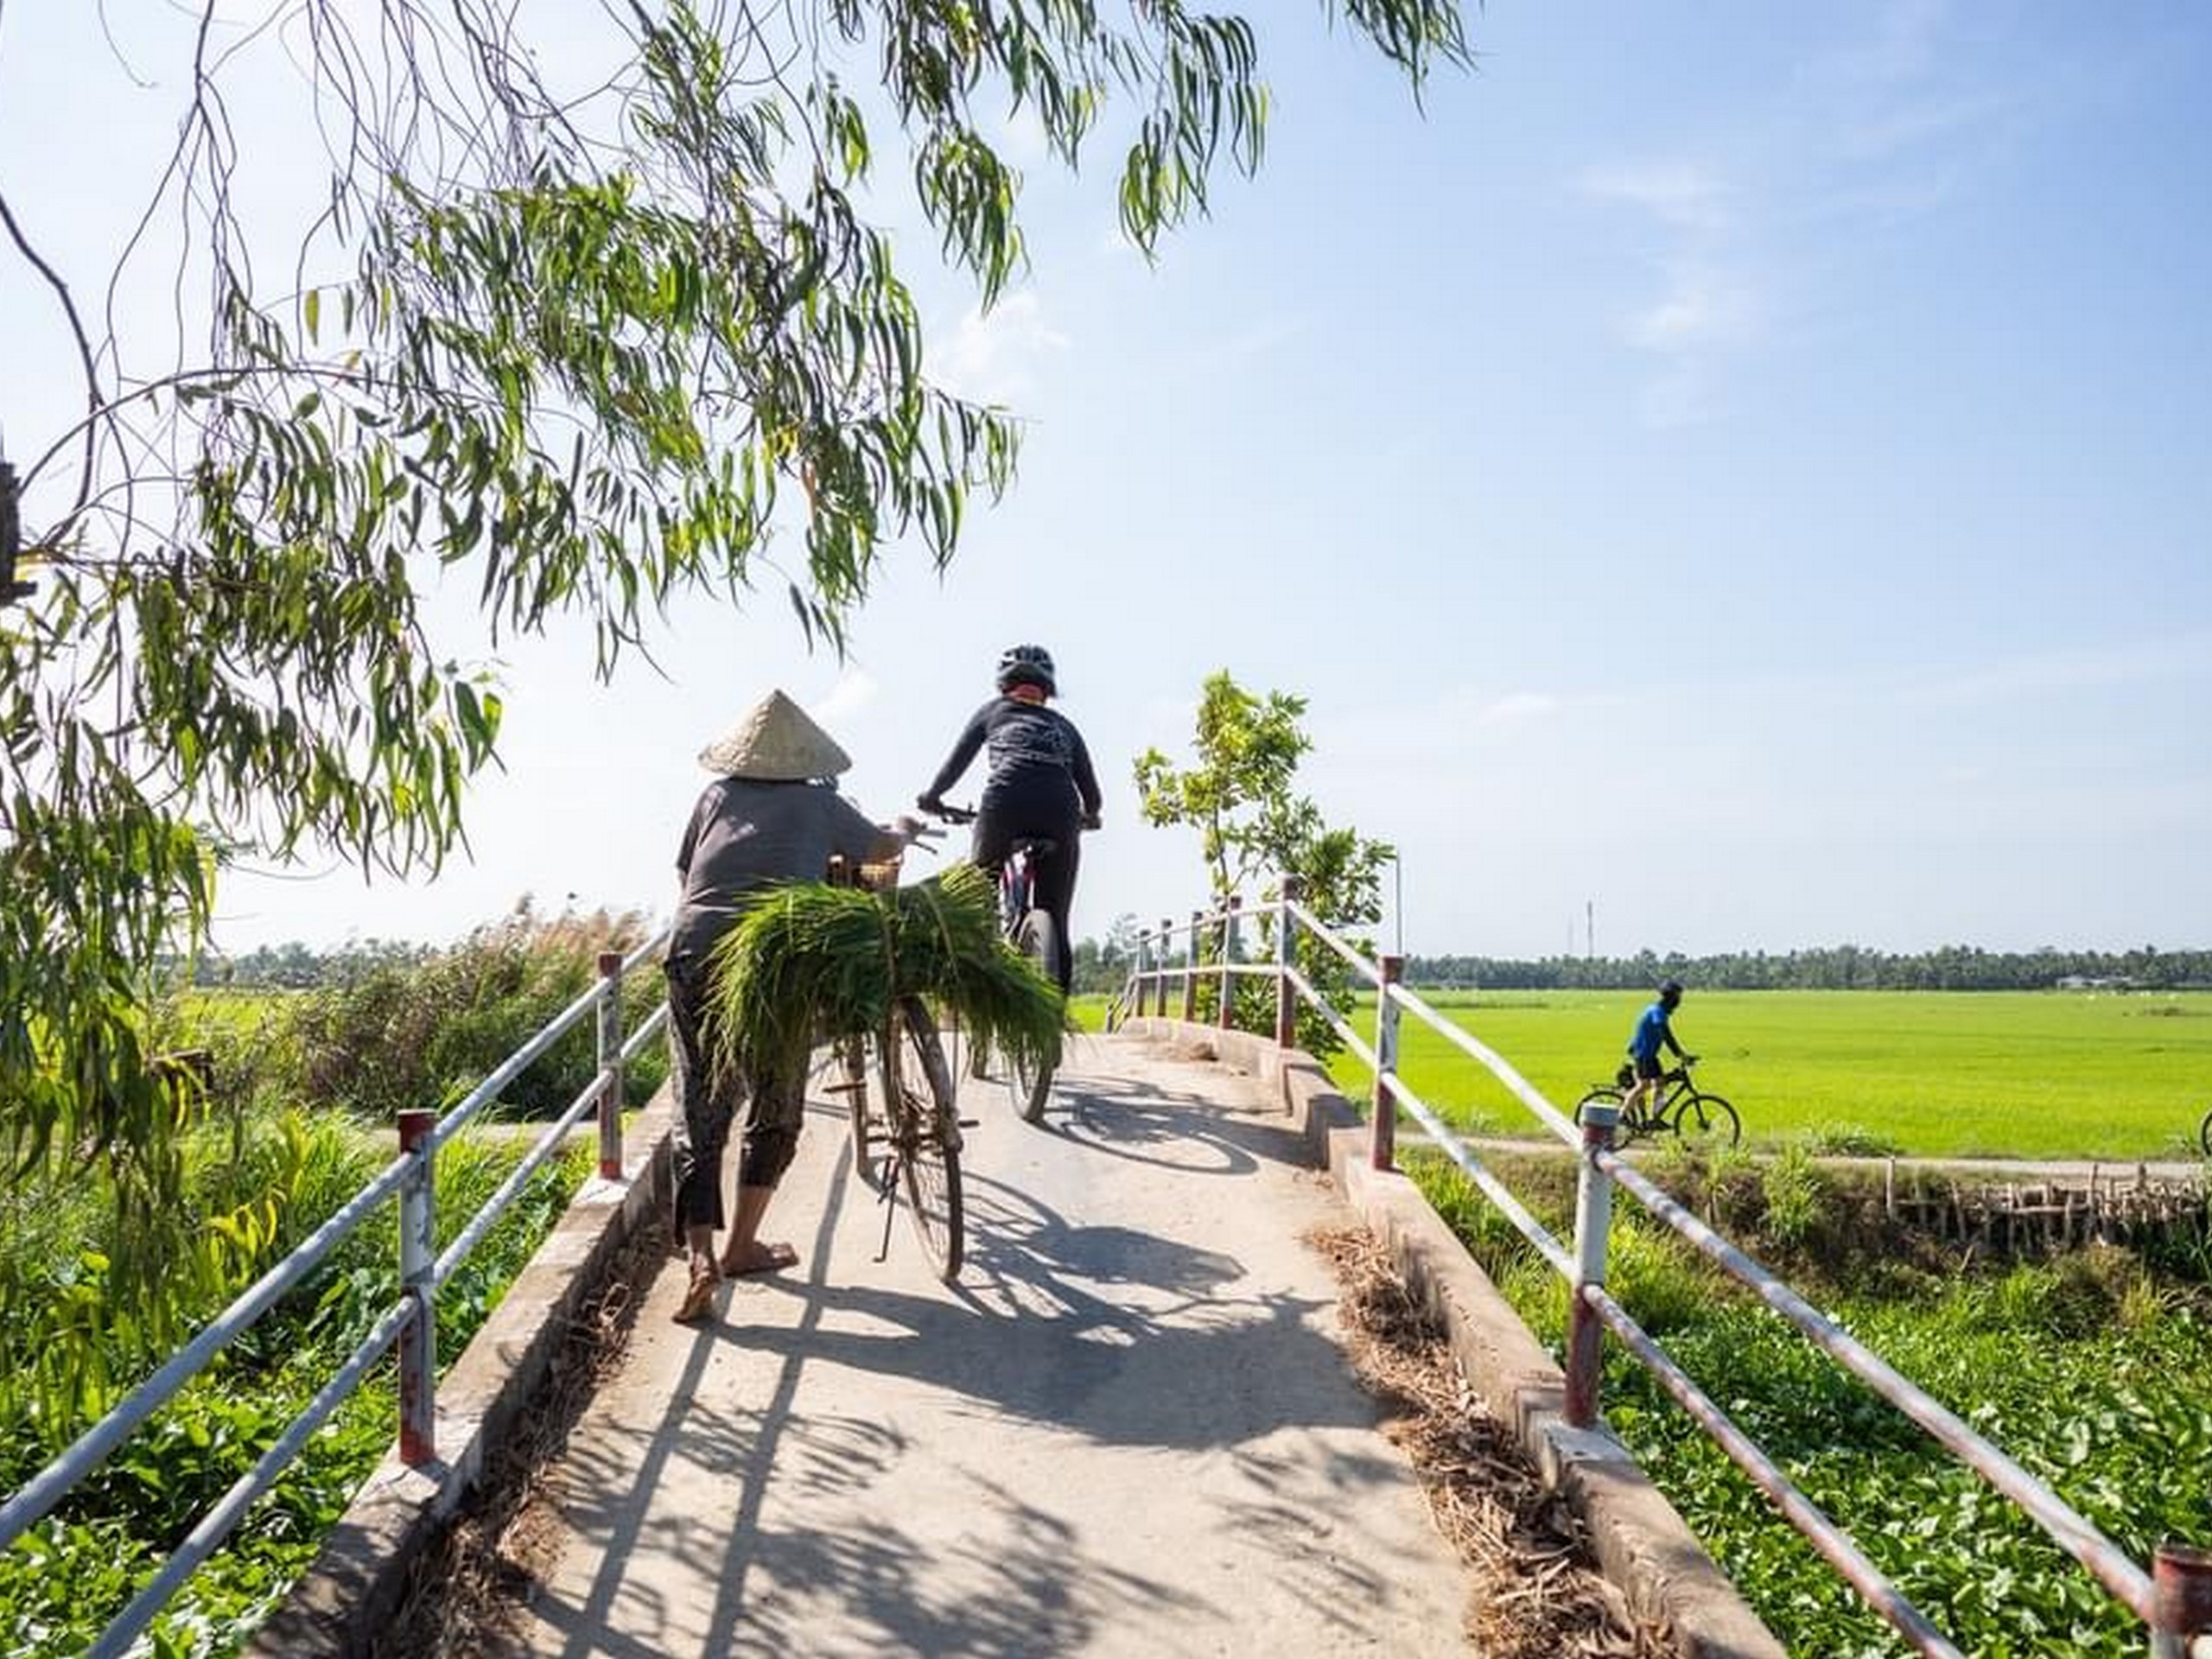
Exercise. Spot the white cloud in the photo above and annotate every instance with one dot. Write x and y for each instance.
(2058, 672)
(854, 690)
(994, 357)
(1703, 307)
(1903, 46)
(1708, 303)
(1680, 194)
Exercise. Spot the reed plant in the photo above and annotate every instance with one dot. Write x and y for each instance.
(810, 962)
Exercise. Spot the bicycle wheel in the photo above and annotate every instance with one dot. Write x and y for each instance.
(924, 1134)
(1706, 1123)
(852, 1059)
(1606, 1094)
(1030, 1086)
(2204, 1134)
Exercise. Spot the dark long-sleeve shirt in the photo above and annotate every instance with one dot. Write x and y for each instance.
(745, 835)
(1037, 760)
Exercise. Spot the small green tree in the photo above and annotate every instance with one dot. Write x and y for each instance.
(1256, 829)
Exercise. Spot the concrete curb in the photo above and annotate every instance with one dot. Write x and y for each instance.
(1643, 1544)
(359, 1576)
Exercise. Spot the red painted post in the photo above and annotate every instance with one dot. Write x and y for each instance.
(610, 1064)
(1191, 977)
(418, 1337)
(2181, 1598)
(1593, 1222)
(1166, 951)
(1382, 1152)
(1228, 955)
(1285, 959)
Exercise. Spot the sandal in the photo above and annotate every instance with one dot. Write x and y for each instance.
(773, 1258)
(699, 1299)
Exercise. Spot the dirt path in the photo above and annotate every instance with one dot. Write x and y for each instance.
(1130, 1430)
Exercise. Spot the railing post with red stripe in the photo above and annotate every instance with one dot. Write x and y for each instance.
(2181, 1589)
(1383, 1151)
(610, 1064)
(418, 1337)
(1191, 977)
(1593, 1223)
(1228, 955)
(1285, 959)
(1166, 955)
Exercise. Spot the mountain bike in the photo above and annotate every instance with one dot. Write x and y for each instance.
(1678, 1106)
(900, 1105)
(1031, 929)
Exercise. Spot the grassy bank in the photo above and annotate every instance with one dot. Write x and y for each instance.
(2085, 1370)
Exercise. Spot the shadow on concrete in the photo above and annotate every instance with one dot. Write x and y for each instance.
(1123, 1338)
(1186, 1132)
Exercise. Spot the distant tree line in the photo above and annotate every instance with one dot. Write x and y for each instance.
(1102, 964)
(1831, 968)
(293, 966)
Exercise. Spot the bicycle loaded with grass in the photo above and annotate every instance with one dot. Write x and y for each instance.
(870, 970)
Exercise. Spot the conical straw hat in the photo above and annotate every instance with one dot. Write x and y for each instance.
(777, 742)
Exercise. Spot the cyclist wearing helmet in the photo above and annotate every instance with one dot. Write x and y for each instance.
(1652, 1033)
(1041, 785)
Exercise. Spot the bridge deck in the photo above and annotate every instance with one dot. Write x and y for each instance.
(1127, 1431)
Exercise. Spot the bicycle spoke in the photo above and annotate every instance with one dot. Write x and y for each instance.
(1706, 1123)
(926, 1137)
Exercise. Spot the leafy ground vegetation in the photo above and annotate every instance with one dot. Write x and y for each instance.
(295, 1118)
(2118, 1076)
(2086, 1370)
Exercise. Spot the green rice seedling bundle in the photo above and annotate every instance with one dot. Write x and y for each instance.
(811, 962)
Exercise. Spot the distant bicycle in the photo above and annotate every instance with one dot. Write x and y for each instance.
(1678, 1107)
(1031, 929)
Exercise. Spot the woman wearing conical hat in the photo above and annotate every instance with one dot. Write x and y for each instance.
(773, 814)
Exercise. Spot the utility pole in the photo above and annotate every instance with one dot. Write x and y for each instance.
(1589, 929)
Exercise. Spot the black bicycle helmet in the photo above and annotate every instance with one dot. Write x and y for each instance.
(1027, 665)
(1670, 991)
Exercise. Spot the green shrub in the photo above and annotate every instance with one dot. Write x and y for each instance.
(407, 1035)
(1848, 1141)
(1796, 1196)
(72, 1571)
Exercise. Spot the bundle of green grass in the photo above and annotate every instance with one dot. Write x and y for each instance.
(810, 962)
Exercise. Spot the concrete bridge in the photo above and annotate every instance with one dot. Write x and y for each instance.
(1129, 1429)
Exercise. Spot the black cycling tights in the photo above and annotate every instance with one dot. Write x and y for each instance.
(1052, 875)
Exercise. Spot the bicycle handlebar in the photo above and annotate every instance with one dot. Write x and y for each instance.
(952, 813)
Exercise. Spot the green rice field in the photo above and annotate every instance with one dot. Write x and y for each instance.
(1997, 1074)
(2026, 1074)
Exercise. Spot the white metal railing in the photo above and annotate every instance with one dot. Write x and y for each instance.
(2173, 1599)
(410, 1323)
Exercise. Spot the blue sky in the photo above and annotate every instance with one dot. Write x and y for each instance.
(1745, 469)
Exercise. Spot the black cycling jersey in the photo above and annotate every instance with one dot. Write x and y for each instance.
(1038, 767)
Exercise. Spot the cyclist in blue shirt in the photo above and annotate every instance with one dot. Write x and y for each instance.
(1653, 1033)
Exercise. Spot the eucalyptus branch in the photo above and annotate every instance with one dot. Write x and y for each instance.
(52, 280)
